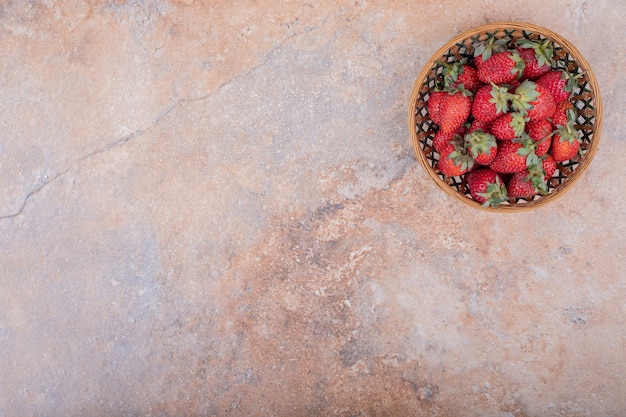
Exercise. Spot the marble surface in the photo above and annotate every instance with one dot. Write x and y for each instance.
(213, 209)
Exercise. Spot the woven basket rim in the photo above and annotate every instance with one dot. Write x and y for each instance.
(499, 26)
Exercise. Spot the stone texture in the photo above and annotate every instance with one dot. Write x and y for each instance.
(213, 209)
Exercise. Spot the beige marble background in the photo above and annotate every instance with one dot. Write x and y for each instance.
(213, 209)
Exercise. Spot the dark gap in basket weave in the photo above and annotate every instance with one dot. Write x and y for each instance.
(509, 32)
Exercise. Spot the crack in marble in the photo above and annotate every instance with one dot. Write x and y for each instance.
(168, 109)
(83, 158)
(23, 206)
(373, 48)
(263, 61)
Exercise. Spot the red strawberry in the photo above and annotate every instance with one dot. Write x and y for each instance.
(486, 186)
(507, 159)
(510, 157)
(544, 106)
(501, 68)
(565, 143)
(534, 99)
(549, 166)
(561, 84)
(564, 113)
(460, 73)
(479, 125)
(468, 78)
(521, 186)
(540, 131)
(508, 126)
(490, 101)
(533, 180)
(441, 139)
(485, 49)
(562, 149)
(478, 61)
(435, 103)
(538, 56)
(454, 160)
(455, 110)
(481, 146)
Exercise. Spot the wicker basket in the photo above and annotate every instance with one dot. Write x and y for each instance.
(586, 100)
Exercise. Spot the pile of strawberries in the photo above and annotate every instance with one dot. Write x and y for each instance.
(504, 119)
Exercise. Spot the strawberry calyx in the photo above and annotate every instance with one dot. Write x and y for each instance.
(478, 142)
(462, 159)
(453, 89)
(544, 50)
(495, 194)
(572, 81)
(520, 64)
(568, 133)
(528, 150)
(451, 71)
(500, 96)
(524, 95)
(537, 178)
(518, 123)
(460, 155)
(459, 89)
(490, 46)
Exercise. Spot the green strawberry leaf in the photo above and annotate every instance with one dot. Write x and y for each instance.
(494, 194)
(500, 96)
(532, 160)
(524, 95)
(518, 122)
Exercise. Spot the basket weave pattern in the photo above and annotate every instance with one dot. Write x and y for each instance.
(586, 100)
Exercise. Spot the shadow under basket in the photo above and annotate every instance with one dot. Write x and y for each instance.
(585, 98)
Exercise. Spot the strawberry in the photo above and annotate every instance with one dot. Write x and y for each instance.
(521, 185)
(531, 181)
(534, 100)
(540, 132)
(538, 56)
(468, 78)
(565, 143)
(508, 126)
(460, 73)
(564, 113)
(435, 103)
(479, 125)
(441, 139)
(478, 62)
(549, 166)
(561, 84)
(454, 159)
(484, 50)
(562, 149)
(507, 159)
(486, 187)
(489, 102)
(455, 110)
(514, 155)
(544, 106)
(501, 68)
(481, 146)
